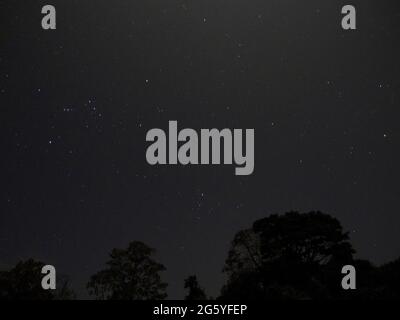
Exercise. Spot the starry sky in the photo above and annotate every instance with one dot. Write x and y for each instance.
(76, 104)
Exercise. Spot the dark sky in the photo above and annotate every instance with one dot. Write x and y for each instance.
(76, 104)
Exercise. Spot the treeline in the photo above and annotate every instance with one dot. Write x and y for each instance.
(281, 257)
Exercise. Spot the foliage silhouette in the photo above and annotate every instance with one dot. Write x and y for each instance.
(290, 256)
(195, 291)
(388, 281)
(23, 282)
(131, 274)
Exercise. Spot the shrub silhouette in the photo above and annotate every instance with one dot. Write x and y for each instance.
(195, 291)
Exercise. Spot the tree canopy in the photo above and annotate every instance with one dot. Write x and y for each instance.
(131, 274)
(286, 256)
(24, 282)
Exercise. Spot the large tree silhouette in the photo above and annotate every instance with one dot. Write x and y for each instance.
(292, 256)
(131, 274)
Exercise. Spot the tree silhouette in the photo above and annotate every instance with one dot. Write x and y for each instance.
(195, 291)
(290, 256)
(131, 274)
(389, 280)
(23, 282)
(64, 291)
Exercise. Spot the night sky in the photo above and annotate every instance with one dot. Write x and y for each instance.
(76, 104)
